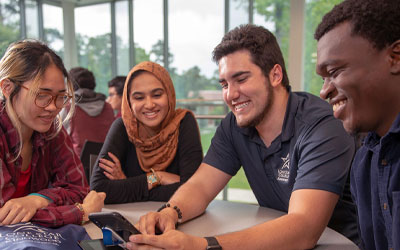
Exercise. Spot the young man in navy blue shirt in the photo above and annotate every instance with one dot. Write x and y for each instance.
(359, 60)
(296, 156)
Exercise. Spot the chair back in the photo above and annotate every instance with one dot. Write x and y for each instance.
(89, 154)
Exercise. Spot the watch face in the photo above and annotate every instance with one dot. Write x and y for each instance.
(151, 179)
(213, 243)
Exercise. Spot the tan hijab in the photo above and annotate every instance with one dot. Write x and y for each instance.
(156, 151)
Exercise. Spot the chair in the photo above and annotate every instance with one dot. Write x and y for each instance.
(89, 154)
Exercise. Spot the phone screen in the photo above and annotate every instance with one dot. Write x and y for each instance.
(92, 245)
(96, 245)
(116, 222)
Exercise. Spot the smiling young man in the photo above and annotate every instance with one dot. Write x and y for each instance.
(294, 152)
(359, 60)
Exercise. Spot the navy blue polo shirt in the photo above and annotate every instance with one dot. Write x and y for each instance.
(375, 185)
(312, 152)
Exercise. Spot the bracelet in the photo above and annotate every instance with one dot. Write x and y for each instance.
(80, 207)
(41, 195)
(178, 211)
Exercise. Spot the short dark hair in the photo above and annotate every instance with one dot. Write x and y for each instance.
(118, 83)
(261, 44)
(83, 78)
(378, 21)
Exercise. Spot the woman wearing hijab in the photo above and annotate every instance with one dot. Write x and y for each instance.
(154, 148)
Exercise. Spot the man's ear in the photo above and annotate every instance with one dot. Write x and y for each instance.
(395, 58)
(6, 87)
(276, 75)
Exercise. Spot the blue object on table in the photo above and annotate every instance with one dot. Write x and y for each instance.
(108, 239)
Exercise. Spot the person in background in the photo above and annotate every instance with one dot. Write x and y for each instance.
(93, 115)
(115, 90)
(42, 179)
(154, 148)
(295, 154)
(358, 57)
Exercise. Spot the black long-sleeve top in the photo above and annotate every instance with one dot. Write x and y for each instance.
(134, 188)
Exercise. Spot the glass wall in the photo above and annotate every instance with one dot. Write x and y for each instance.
(122, 36)
(275, 16)
(148, 32)
(32, 19)
(9, 23)
(315, 10)
(195, 28)
(93, 38)
(53, 28)
(238, 13)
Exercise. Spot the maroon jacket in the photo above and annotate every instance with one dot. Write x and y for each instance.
(92, 118)
(57, 173)
(92, 128)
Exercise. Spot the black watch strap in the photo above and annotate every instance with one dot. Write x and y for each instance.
(212, 243)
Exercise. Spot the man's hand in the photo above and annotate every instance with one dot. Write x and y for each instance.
(21, 209)
(112, 169)
(165, 220)
(170, 240)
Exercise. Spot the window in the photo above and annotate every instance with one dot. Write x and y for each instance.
(32, 19)
(315, 10)
(148, 31)
(238, 13)
(93, 37)
(195, 29)
(53, 28)
(122, 33)
(274, 15)
(9, 23)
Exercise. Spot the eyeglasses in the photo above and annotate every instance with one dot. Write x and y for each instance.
(43, 99)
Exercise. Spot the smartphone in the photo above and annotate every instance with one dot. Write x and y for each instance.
(115, 223)
(96, 245)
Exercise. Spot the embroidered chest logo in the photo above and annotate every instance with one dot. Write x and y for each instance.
(28, 232)
(284, 171)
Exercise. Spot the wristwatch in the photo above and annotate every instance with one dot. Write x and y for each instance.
(212, 243)
(152, 178)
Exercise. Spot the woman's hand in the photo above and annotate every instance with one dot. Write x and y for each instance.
(167, 178)
(93, 202)
(112, 169)
(21, 209)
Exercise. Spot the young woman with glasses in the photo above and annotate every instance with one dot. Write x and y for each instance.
(41, 178)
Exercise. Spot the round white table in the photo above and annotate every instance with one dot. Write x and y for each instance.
(220, 217)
